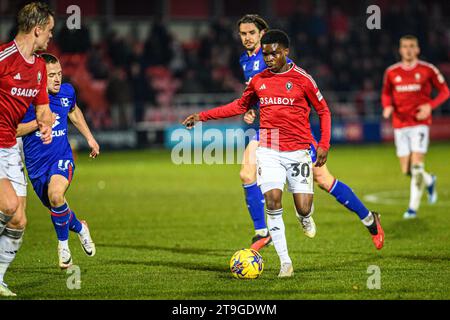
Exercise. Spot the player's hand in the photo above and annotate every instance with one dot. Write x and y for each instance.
(387, 112)
(54, 116)
(95, 148)
(321, 157)
(250, 116)
(190, 121)
(46, 133)
(423, 111)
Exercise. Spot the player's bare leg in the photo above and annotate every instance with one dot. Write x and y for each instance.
(348, 199)
(10, 242)
(305, 220)
(9, 202)
(419, 180)
(254, 197)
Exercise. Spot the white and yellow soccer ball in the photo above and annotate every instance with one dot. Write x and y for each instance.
(246, 264)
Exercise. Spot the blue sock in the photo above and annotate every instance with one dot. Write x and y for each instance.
(348, 198)
(74, 224)
(255, 204)
(60, 218)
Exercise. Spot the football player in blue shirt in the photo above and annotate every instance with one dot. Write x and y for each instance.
(51, 167)
(251, 28)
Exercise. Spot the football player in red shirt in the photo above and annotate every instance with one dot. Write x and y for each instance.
(407, 98)
(285, 94)
(23, 81)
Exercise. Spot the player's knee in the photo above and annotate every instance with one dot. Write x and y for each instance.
(56, 198)
(10, 207)
(304, 208)
(247, 176)
(273, 203)
(323, 183)
(18, 223)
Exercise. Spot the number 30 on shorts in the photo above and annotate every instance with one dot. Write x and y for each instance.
(301, 168)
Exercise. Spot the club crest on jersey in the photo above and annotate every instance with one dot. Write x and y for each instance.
(65, 102)
(289, 86)
(256, 65)
(39, 77)
(417, 76)
(398, 79)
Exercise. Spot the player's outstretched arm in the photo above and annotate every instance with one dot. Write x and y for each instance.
(77, 118)
(237, 107)
(190, 121)
(44, 122)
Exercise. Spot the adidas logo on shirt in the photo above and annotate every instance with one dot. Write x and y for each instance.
(262, 87)
(17, 77)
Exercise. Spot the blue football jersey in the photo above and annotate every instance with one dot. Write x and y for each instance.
(254, 64)
(38, 156)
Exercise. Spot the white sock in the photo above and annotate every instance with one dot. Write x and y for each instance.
(8, 251)
(276, 229)
(427, 178)
(83, 229)
(64, 244)
(368, 221)
(261, 232)
(417, 186)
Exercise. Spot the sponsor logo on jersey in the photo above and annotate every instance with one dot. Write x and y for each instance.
(21, 92)
(276, 100)
(55, 133)
(408, 88)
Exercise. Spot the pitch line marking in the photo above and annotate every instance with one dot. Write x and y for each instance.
(396, 197)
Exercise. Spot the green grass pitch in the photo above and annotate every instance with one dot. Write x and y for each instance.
(167, 232)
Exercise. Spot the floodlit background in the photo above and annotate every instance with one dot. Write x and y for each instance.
(141, 66)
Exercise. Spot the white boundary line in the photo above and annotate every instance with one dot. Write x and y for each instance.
(395, 197)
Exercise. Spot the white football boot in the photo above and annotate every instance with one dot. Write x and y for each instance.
(86, 241)
(5, 292)
(286, 270)
(65, 258)
(308, 225)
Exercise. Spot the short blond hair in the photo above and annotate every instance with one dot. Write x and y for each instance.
(32, 15)
(409, 37)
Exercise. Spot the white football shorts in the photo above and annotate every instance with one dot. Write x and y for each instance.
(275, 167)
(412, 139)
(12, 168)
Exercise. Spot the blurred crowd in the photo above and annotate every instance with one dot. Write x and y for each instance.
(120, 78)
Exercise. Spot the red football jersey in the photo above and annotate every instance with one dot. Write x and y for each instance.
(285, 101)
(407, 88)
(22, 83)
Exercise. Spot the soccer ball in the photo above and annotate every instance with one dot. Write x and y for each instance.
(246, 264)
